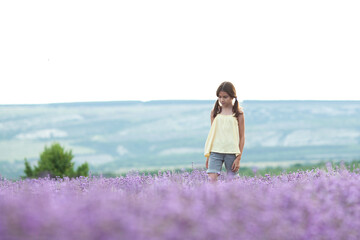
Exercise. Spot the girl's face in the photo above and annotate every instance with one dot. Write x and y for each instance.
(225, 99)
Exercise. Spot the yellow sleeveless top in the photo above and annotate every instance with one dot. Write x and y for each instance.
(223, 136)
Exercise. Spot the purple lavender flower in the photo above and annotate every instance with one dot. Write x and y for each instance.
(313, 204)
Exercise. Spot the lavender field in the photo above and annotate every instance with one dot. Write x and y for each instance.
(312, 204)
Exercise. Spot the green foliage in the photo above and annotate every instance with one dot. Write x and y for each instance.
(28, 171)
(351, 165)
(82, 170)
(56, 162)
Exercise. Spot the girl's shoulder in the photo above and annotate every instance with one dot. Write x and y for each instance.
(241, 110)
(241, 115)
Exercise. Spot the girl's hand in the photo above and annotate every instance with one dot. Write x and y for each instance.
(207, 163)
(236, 165)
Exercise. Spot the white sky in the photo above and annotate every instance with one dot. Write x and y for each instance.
(71, 50)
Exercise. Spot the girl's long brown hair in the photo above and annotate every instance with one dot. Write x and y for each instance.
(229, 88)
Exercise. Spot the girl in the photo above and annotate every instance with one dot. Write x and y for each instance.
(226, 139)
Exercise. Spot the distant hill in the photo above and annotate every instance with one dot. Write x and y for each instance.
(118, 136)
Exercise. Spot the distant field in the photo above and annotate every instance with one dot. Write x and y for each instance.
(250, 171)
(118, 136)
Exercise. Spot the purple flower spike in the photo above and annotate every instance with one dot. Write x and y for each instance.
(313, 204)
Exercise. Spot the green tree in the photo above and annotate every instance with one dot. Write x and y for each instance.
(28, 171)
(55, 161)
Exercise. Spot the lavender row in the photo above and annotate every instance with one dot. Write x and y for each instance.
(313, 204)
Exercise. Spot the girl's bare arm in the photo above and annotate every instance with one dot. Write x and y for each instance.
(211, 116)
(241, 122)
(211, 119)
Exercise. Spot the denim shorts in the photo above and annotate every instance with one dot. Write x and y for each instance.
(216, 161)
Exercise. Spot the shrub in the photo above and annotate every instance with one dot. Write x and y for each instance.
(55, 161)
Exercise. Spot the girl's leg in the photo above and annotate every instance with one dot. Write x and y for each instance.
(213, 177)
(229, 160)
(215, 164)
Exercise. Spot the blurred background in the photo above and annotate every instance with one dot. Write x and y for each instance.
(130, 84)
(120, 136)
